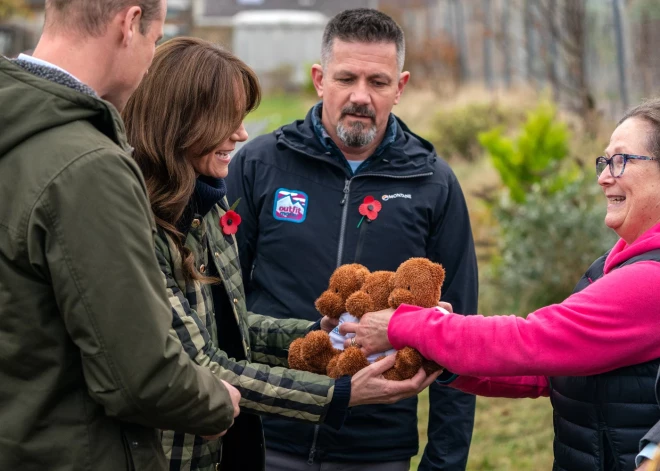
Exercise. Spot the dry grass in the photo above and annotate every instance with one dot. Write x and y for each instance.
(418, 106)
(509, 434)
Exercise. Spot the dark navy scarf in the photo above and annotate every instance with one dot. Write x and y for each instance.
(209, 191)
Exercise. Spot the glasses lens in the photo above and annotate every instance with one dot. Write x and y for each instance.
(618, 162)
(601, 164)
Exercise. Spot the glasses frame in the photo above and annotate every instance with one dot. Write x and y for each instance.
(626, 157)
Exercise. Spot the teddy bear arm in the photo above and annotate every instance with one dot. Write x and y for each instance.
(317, 351)
(349, 362)
(408, 362)
(430, 366)
(296, 360)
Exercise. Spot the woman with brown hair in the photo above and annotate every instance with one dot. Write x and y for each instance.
(184, 121)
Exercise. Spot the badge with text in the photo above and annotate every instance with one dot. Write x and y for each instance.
(290, 205)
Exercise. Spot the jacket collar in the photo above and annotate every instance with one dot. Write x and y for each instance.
(406, 155)
(40, 98)
(208, 192)
(326, 141)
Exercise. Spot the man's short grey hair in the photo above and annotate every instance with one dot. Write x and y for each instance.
(363, 25)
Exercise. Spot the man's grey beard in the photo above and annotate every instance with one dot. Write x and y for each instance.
(356, 134)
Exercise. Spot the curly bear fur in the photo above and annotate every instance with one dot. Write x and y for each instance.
(315, 351)
(417, 281)
(352, 289)
(345, 280)
(372, 296)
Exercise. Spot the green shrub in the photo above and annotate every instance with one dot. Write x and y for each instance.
(546, 244)
(455, 130)
(550, 217)
(534, 156)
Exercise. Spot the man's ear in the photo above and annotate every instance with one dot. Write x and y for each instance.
(317, 79)
(403, 80)
(129, 20)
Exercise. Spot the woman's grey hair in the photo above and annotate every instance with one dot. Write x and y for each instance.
(649, 111)
(363, 25)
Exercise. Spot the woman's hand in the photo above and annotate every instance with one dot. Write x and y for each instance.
(369, 387)
(370, 333)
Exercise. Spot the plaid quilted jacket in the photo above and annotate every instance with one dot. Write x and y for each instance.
(266, 386)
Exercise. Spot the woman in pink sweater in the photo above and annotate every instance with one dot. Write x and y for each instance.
(596, 353)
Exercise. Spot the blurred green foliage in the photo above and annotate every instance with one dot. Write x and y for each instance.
(550, 216)
(546, 244)
(534, 156)
(455, 130)
(9, 8)
(308, 84)
(276, 110)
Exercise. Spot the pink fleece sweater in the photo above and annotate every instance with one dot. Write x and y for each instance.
(610, 324)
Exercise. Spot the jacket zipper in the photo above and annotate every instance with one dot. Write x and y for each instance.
(344, 213)
(312, 451)
(340, 249)
(342, 233)
(344, 217)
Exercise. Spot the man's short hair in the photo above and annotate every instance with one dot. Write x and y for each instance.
(91, 17)
(363, 25)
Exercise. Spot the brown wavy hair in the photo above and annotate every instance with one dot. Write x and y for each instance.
(194, 98)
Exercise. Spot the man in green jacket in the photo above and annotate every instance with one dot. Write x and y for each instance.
(87, 367)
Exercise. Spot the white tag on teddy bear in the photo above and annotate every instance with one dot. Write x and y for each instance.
(338, 339)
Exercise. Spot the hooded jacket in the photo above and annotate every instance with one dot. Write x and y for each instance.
(596, 354)
(87, 366)
(300, 220)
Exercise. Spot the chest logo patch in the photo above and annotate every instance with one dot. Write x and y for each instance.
(290, 205)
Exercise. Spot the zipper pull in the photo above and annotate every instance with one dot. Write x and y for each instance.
(310, 459)
(346, 185)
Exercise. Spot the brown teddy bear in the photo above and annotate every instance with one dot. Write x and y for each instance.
(314, 351)
(353, 291)
(372, 296)
(417, 281)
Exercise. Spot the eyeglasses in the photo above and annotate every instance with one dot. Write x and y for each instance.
(617, 163)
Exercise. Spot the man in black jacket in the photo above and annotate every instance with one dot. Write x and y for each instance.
(301, 190)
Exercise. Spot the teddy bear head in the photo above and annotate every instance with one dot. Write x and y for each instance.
(417, 281)
(345, 280)
(373, 296)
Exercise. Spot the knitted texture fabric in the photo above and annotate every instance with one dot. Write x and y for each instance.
(56, 76)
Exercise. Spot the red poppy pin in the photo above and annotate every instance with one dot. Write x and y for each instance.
(231, 220)
(369, 208)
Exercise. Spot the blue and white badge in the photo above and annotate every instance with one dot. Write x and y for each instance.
(290, 205)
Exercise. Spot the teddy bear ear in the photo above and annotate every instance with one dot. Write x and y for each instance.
(438, 273)
(362, 273)
(390, 282)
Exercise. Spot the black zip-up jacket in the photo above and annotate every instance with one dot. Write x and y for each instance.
(300, 215)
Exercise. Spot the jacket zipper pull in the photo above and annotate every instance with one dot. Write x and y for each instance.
(346, 185)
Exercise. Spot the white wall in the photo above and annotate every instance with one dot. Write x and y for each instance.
(270, 40)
